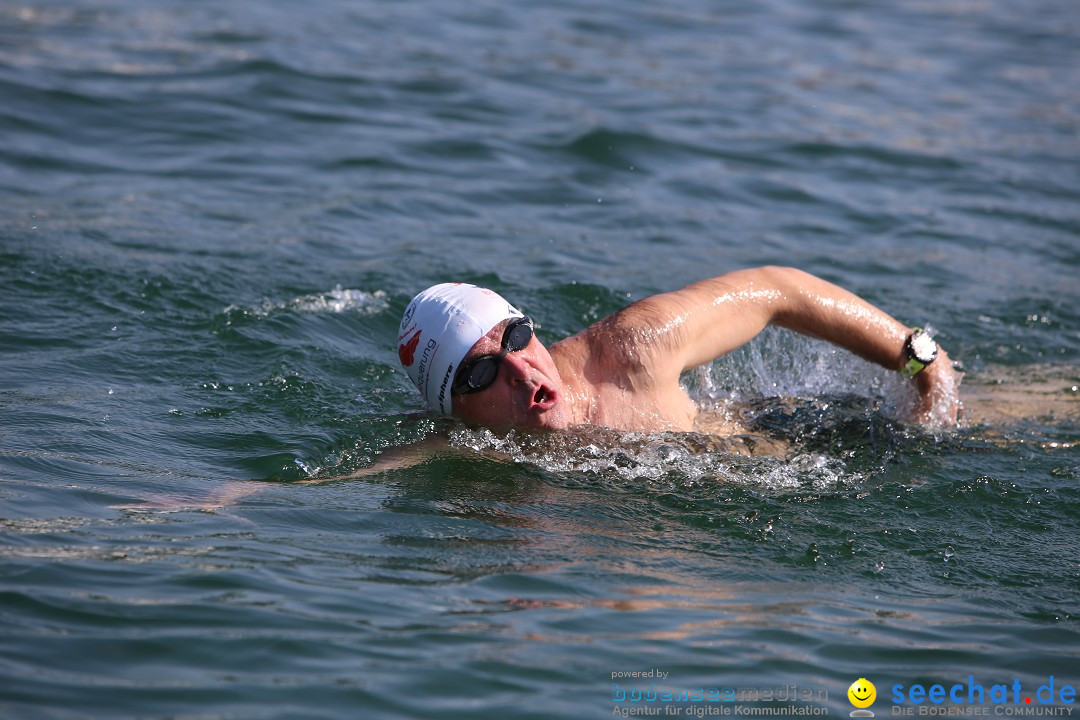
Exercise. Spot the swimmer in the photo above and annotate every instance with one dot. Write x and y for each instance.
(473, 355)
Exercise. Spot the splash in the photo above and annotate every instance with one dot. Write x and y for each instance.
(782, 364)
(663, 460)
(338, 300)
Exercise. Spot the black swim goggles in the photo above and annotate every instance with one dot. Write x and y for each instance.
(480, 372)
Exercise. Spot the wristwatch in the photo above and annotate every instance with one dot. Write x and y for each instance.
(920, 350)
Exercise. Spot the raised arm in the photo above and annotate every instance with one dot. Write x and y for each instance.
(712, 317)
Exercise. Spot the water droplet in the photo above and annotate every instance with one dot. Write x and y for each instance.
(310, 470)
(879, 566)
(949, 552)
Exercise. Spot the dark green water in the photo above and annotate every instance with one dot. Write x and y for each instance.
(212, 216)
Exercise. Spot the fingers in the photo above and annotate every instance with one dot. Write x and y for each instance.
(939, 391)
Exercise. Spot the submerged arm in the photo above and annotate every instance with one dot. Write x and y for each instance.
(395, 458)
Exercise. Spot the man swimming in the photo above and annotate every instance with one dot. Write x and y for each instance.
(473, 355)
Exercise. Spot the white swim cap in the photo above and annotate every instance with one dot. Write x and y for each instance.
(438, 329)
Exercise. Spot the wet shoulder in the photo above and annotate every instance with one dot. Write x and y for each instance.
(613, 349)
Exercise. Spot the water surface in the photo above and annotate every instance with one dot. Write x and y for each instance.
(212, 216)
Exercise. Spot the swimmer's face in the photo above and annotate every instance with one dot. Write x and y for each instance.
(527, 391)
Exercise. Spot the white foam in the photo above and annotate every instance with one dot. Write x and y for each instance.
(670, 458)
(338, 300)
(780, 363)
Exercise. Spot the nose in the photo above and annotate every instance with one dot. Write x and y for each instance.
(516, 367)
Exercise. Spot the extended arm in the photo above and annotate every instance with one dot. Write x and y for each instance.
(712, 317)
(395, 458)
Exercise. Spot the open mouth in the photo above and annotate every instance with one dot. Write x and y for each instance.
(543, 397)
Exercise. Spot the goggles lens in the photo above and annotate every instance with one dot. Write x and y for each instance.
(480, 372)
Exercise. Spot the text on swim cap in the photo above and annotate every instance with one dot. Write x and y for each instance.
(422, 370)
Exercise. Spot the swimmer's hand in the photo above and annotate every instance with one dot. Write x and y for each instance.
(220, 498)
(939, 393)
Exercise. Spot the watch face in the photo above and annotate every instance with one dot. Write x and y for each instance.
(923, 347)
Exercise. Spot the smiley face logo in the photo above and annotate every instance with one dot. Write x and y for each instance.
(862, 693)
